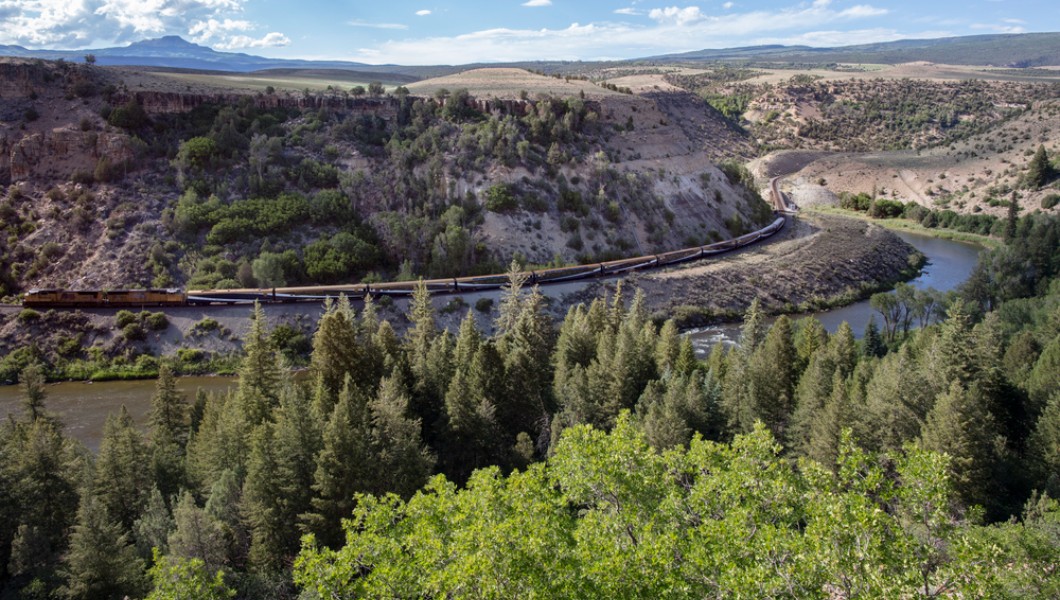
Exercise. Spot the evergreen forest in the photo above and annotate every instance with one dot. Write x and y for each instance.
(596, 457)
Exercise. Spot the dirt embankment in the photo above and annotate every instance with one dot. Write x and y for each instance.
(818, 261)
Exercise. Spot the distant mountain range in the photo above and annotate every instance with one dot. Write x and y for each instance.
(1010, 50)
(176, 52)
(1001, 50)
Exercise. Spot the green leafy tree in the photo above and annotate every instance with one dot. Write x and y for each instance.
(179, 579)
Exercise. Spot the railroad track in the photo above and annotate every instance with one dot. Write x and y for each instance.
(143, 298)
(780, 201)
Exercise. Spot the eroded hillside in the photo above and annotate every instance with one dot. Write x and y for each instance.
(944, 139)
(118, 178)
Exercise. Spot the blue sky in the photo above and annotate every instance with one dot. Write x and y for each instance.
(450, 32)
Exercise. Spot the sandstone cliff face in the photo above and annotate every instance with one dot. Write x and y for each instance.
(60, 152)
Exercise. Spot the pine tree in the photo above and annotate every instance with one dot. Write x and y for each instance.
(1044, 378)
(668, 348)
(220, 444)
(261, 374)
(961, 426)
(31, 379)
(169, 434)
(897, 400)
(740, 388)
(950, 358)
(812, 394)
(753, 332)
(527, 352)
(151, 531)
(871, 343)
(1040, 170)
(844, 349)
(662, 418)
(472, 434)
(336, 355)
(827, 428)
(44, 471)
(401, 461)
(810, 335)
(101, 562)
(273, 528)
(344, 466)
(772, 373)
(1044, 445)
(511, 300)
(197, 535)
(1011, 219)
(224, 510)
(169, 408)
(298, 441)
(122, 476)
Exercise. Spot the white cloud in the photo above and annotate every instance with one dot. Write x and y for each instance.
(536, 3)
(210, 29)
(627, 11)
(270, 40)
(862, 11)
(999, 28)
(728, 5)
(676, 16)
(359, 23)
(672, 29)
(86, 23)
(422, 13)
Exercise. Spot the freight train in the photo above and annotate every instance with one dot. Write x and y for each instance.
(57, 298)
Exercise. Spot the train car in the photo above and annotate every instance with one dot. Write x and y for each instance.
(103, 298)
(61, 298)
(151, 297)
(58, 298)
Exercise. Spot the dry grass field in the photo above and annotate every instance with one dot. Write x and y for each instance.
(508, 83)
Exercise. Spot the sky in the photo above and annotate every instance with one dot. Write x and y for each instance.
(418, 32)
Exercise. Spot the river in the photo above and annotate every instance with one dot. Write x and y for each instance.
(949, 263)
(83, 407)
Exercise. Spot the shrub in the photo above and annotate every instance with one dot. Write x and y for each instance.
(124, 318)
(156, 321)
(28, 315)
(190, 355)
(1050, 201)
(484, 305)
(133, 332)
(130, 116)
(500, 199)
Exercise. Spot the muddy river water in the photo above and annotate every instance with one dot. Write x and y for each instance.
(83, 407)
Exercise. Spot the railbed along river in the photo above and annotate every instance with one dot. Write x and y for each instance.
(83, 407)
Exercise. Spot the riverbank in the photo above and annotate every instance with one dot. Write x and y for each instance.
(899, 224)
(797, 270)
(824, 261)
